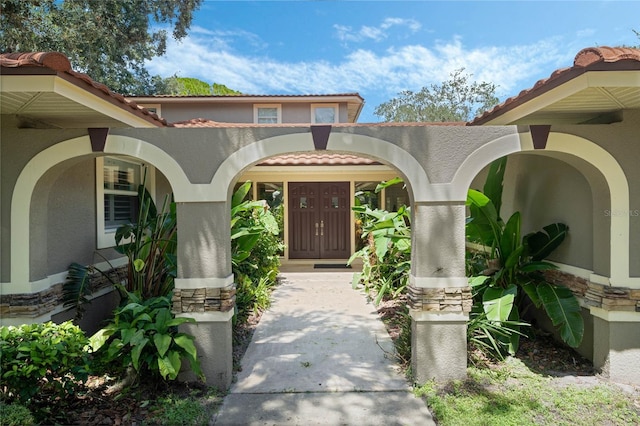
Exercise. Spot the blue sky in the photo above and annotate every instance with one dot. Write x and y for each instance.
(379, 48)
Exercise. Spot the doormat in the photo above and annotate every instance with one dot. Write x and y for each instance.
(331, 266)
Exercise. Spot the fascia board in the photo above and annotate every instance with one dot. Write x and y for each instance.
(24, 83)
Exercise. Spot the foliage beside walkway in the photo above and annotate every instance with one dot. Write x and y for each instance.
(512, 393)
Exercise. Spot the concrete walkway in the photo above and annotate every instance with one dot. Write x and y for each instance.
(318, 358)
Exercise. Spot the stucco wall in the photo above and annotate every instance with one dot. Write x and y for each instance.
(546, 190)
(622, 140)
(240, 112)
(17, 147)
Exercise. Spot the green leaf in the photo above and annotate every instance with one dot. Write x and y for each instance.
(494, 183)
(387, 184)
(169, 365)
(484, 226)
(498, 302)
(536, 266)
(100, 338)
(162, 342)
(138, 265)
(563, 309)
(510, 240)
(240, 194)
(541, 244)
(186, 343)
(136, 351)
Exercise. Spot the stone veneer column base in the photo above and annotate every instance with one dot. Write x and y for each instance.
(214, 343)
(438, 346)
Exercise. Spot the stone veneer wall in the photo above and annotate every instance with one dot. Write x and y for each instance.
(33, 305)
(597, 295)
(204, 299)
(440, 299)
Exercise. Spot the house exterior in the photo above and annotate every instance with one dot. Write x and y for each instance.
(302, 182)
(71, 151)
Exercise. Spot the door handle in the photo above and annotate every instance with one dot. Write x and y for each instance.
(316, 229)
(321, 228)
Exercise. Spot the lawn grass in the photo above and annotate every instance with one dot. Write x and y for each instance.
(511, 394)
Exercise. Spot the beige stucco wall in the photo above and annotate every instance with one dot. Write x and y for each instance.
(17, 147)
(299, 112)
(622, 140)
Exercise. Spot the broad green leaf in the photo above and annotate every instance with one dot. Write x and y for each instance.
(563, 309)
(541, 244)
(136, 351)
(477, 281)
(536, 266)
(484, 226)
(162, 343)
(186, 343)
(494, 183)
(498, 302)
(165, 367)
(162, 319)
(99, 338)
(530, 288)
(510, 239)
(240, 193)
(387, 184)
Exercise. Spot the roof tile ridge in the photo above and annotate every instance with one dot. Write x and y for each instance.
(54, 60)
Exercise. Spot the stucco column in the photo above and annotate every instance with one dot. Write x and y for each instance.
(616, 344)
(439, 296)
(204, 287)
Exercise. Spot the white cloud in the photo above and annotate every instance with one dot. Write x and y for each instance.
(377, 76)
(346, 33)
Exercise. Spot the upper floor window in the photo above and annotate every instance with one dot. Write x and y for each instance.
(267, 114)
(324, 113)
(154, 108)
(117, 181)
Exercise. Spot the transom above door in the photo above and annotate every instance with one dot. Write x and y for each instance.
(319, 219)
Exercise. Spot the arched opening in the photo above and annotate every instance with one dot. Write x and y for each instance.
(56, 214)
(575, 182)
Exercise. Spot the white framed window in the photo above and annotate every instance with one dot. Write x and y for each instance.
(324, 113)
(267, 113)
(117, 180)
(154, 108)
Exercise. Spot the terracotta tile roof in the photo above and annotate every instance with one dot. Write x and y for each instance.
(588, 59)
(318, 159)
(59, 63)
(247, 95)
(204, 123)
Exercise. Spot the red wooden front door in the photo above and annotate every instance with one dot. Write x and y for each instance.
(319, 220)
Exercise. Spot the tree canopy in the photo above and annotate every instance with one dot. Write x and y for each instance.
(109, 40)
(187, 86)
(457, 99)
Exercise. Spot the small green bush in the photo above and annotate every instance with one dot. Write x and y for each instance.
(42, 358)
(144, 334)
(15, 415)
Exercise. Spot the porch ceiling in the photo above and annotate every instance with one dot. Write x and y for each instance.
(39, 89)
(603, 82)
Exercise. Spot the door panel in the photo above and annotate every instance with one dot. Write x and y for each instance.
(334, 221)
(319, 220)
(303, 212)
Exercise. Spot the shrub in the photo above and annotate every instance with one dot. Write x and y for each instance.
(43, 358)
(144, 335)
(15, 415)
(255, 248)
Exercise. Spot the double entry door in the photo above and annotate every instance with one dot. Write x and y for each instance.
(319, 215)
